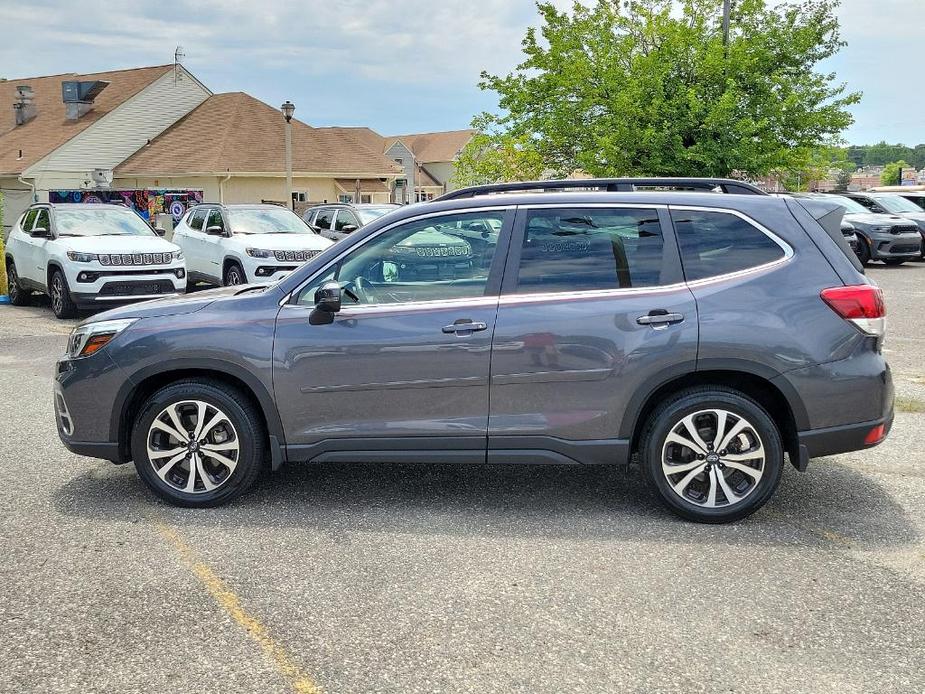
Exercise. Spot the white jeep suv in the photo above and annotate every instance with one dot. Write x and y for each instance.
(240, 244)
(89, 257)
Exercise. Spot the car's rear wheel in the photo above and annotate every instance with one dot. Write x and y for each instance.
(61, 302)
(18, 295)
(713, 455)
(198, 443)
(234, 275)
(893, 262)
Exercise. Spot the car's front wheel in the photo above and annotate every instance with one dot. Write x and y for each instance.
(234, 275)
(18, 295)
(61, 302)
(198, 443)
(713, 454)
(893, 262)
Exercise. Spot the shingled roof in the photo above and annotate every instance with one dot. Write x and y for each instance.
(236, 133)
(50, 128)
(427, 147)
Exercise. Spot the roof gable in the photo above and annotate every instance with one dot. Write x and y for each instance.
(50, 129)
(433, 147)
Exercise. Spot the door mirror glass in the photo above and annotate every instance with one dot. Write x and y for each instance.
(347, 228)
(215, 231)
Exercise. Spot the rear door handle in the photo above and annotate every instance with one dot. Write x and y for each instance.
(660, 318)
(464, 326)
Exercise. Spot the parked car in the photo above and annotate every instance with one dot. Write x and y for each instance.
(240, 244)
(916, 197)
(891, 238)
(709, 334)
(895, 205)
(89, 257)
(336, 221)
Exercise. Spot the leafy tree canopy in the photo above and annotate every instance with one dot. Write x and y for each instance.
(645, 87)
(891, 173)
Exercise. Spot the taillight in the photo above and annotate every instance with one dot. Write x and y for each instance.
(862, 304)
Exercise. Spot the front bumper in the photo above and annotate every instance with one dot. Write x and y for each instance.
(96, 288)
(84, 399)
(886, 246)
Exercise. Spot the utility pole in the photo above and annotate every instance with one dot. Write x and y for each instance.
(288, 109)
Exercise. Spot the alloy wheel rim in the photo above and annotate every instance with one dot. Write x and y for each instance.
(713, 458)
(233, 277)
(193, 447)
(12, 281)
(57, 294)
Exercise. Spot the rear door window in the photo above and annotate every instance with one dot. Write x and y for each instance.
(719, 243)
(577, 249)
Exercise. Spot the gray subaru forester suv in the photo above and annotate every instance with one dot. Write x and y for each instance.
(704, 334)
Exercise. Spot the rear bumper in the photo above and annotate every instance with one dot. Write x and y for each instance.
(840, 439)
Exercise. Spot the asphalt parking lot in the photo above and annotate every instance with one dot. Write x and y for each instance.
(341, 578)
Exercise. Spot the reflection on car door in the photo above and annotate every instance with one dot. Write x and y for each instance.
(411, 359)
(38, 248)
(593, 308)
(213, 245)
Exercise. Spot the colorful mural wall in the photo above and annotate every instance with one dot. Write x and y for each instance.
(147, 203)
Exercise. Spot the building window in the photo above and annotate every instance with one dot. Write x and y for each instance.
(345, 198)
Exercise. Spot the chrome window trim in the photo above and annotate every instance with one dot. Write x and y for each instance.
(581, 205)
(442, 213)
(513, 299)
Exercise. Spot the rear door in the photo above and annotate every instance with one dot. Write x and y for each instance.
(593, 316)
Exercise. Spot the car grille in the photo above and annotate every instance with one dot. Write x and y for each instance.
(441, 251)
(904, 229)
(136, 258)
(295, 256)
(904, 249)
(137, 288)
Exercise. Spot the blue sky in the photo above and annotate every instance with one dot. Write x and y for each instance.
(397, 65)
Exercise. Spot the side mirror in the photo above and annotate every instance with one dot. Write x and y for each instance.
(40, 232)
(327, 303)
(215, 231)
(160, 231)
(348, 228)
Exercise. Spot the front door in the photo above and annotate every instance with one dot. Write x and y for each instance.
(402, 371)
(37, 253)
(593, 313)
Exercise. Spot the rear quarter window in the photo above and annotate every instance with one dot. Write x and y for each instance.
(719, 243)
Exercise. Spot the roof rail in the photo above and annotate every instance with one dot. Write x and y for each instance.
(726, 185)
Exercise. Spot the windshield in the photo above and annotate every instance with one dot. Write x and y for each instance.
(895, 203)
(97, 220)
(258, 220)
(849, 205)
(368, 214)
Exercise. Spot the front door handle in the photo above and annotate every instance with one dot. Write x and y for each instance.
(660, 318)
(464, 326)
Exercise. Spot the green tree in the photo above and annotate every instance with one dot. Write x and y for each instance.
(891, 173)
(494, 157)
(842, 180)
(637, 88)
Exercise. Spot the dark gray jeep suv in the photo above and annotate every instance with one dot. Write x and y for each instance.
(705, 334)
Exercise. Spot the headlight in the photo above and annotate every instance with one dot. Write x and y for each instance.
(82, 257)
(92, 337)
(178, 255)
(259, 252)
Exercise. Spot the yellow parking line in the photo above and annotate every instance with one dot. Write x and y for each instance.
(231, 604)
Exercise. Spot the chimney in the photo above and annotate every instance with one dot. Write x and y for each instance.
(23, 108)
(78, 97)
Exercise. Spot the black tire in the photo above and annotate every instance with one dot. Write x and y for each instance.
(669, 415)
(894, 262)
(234, 275)
(863, 250)
(62, 304)
(18, 295)
(247, 430)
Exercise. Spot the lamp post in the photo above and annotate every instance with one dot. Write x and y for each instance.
(288, 109)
